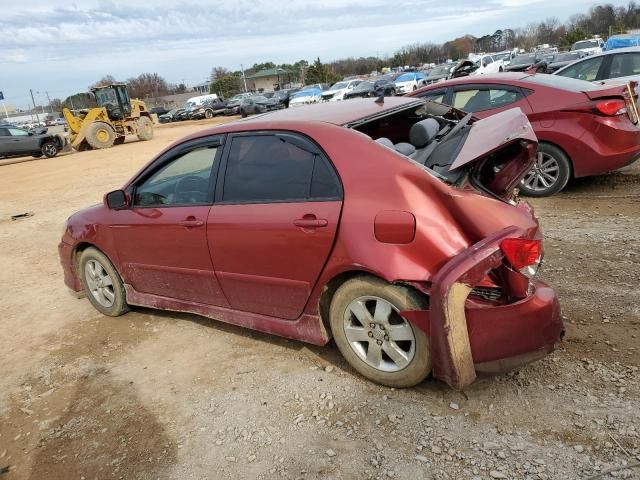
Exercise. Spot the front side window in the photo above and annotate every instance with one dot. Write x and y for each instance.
(183, 181)
(276, 168)
(4, 132)
(625, 65)
(476, 100)
(17, 132)
(586, 70)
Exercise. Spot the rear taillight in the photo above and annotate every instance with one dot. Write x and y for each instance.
(522, 253)
(611, 107)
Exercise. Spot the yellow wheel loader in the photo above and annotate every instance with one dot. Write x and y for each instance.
(107, 124)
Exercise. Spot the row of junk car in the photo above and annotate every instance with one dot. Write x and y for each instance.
(582, 104)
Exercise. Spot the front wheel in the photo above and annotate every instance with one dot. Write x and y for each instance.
(49, 149)
(102, 283)
(550, 172)
(373, 337)
(208, 114)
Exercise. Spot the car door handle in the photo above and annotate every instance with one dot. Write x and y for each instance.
(191, 222)
(310, 222)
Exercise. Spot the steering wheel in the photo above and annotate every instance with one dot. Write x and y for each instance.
(191, 189)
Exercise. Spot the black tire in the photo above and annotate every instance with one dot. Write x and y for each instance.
(533, 186)
(100, 135)
(401, 299)
(145, 128)
(208, 114)
(119, 305)
(49, 149)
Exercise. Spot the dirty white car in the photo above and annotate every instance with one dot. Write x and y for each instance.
(487, 64)
(339, 90)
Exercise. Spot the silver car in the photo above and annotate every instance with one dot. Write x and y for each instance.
(613, 66)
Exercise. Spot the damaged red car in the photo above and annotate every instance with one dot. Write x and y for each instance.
(391, 227)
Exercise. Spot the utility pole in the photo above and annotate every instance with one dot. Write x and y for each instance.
(244, 79)
(49, 100)
(34, 105)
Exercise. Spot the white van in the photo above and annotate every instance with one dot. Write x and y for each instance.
(197, 101)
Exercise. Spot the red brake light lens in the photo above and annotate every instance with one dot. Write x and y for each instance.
(611, 107)
(521, 252)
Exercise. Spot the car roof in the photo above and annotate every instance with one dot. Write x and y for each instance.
(504, 77)
(337, 113)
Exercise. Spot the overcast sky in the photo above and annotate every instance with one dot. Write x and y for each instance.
(64, 46)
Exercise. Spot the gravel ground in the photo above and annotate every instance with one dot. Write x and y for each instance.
(155, 395)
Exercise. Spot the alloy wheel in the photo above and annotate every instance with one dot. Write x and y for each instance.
(100, 283)
(378, 334)
(50, 150)
(543, 175)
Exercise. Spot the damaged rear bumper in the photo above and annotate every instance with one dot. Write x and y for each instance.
(467, 341)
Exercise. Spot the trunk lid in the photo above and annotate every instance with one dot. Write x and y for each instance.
(497, 152)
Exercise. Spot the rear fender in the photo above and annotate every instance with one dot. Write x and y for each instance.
(445, 321)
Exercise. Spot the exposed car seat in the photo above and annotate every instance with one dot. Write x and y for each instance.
(402, 147)
(422, 136)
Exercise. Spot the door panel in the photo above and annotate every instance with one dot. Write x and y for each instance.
(268, 257)
(163, 251)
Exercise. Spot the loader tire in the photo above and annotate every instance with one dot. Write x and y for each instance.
(100, 135)
(145, 128)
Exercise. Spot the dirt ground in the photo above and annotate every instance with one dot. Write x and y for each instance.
(155, 395)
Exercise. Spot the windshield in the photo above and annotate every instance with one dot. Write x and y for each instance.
(367, 85)
(585, 44)
(502, 56)
(440, 70)
(406, 77)
(106, 96)
(524, 59)
(566, 57)
(340, 85)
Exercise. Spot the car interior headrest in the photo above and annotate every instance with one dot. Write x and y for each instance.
(405, 148)
(386, 142)
(423, 132)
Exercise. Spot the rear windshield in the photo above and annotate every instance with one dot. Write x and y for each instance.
(563, 83)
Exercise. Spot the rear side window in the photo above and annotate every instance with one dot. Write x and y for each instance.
(625, 65)
(586, 70)
(477, 100)
(277, 168)
(4, 132)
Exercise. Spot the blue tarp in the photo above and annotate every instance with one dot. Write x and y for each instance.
(622, 41)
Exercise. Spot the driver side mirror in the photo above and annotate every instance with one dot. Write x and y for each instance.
(117, 200)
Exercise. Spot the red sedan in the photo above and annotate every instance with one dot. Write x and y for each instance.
(410, 250)
(583, 129)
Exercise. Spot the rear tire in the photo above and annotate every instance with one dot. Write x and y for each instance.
(100, 135)
(550, 173)
(145, 128)
(392, 352)
(102, 283)
(208, 114)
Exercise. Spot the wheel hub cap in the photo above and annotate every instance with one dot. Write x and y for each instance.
(544, 173)
(378, 334)
(100, 283)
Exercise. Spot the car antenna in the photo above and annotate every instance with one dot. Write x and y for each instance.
(380, 99)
